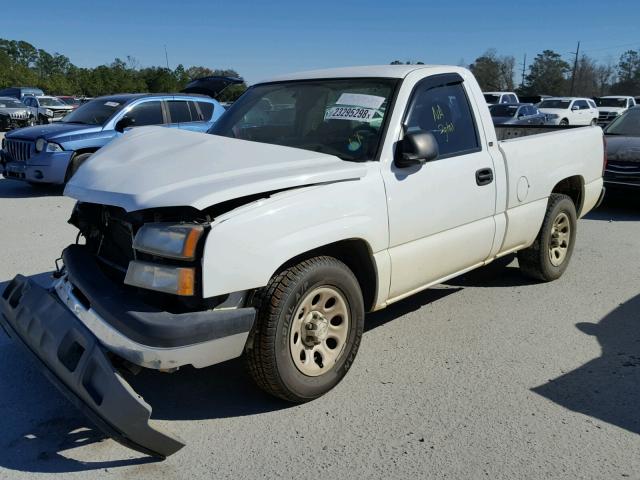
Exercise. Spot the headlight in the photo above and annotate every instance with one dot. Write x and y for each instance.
(53, 147)
(175, 280)
(169, 240)
(41, 143)
(48, 113)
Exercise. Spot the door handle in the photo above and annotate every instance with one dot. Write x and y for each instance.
(484, 176)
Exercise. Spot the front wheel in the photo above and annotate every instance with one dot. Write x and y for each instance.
(308, 329)
(548, 257)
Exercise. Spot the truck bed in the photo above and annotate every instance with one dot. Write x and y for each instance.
(507, 132)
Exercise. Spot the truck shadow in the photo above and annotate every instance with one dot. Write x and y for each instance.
(608, 387)
(618, 206)
(17, 189)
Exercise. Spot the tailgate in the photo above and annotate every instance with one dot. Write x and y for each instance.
(74, 361)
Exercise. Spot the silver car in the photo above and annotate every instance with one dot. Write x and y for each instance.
(14, 114)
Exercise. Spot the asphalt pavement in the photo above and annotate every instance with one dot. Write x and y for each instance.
(488, 376)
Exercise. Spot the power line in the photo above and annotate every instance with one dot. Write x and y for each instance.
(635, 44)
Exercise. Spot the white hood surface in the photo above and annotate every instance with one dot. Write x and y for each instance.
(152, 167)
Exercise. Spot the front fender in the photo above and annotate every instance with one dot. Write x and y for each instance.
(246, 247)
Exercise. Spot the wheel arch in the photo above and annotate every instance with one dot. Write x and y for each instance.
(356, 254)
(573, 187)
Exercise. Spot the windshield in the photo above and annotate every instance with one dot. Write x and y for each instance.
(555, 104)
(11, 103)
(95, 112)
(69, 100)
(627, 124)
(611, 102)
(491, 98)
(342, 117)
(503, 110)
(50, 102)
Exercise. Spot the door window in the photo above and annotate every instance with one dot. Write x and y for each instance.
(179, 111)
(582, 104)
(206, 110)
(445, 112)
(147, 113)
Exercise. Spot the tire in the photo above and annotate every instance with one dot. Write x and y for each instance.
(42, 120)
(564, 122)
(74, 165)
(593, 123)
(286, 311)
(546, 259)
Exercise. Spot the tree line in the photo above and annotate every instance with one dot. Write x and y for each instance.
(550, 74)
(22, 64)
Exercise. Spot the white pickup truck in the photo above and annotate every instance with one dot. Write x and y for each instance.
(316, 198)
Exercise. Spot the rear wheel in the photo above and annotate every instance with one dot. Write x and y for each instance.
(564, 122)
(593, 122)
(308, 329)
(548, 257)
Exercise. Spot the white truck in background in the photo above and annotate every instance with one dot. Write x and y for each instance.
(316, 198)
(495, 98)
(612, 106)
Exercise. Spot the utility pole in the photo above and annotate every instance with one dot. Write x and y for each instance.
(166, 57)
(575, 68)
(524, 69)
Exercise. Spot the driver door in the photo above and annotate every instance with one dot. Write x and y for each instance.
(441, 212)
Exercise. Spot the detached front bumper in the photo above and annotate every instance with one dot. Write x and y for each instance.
(76, 327)
(75, 362)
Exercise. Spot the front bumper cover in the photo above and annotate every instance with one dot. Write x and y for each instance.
(71, 357)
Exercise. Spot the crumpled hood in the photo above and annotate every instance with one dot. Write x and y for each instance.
(152, 167)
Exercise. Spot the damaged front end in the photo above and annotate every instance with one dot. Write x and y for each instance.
(90, 322)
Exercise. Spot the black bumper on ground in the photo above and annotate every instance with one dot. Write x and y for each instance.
(71, 357)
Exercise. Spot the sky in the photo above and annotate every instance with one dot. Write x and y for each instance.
(263, 39)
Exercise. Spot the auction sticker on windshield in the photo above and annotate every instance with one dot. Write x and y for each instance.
(354, 106)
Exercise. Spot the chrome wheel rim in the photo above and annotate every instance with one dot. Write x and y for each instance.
(560, 238)
(319, 331)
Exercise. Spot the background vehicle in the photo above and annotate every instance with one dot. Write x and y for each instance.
(516, 114)
(612, 106)
(534, 99)
(20, 92)
(53, 153)
(46, 109)
(493, 98)
(13, 113)
(74, 102)
(272, 237)
(569, 111)
(623, 150)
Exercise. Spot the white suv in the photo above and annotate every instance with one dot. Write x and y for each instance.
(493, 98)
(569, 111)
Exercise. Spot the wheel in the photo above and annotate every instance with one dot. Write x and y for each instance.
(564, 122)
(308, 329)
(593, 122)
(74, 165)
(548, 257)
(42, 120)
(31, 122)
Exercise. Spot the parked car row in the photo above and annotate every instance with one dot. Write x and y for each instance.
(51, 154)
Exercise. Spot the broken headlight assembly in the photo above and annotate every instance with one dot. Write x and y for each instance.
(167, 240)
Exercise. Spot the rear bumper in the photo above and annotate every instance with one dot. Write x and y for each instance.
(71, 357)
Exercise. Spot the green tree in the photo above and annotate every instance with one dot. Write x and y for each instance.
(547, 75)
(494, 73)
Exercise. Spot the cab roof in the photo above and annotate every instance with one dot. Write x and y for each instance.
(370, 71)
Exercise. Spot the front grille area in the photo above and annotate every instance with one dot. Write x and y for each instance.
(19, 115)
(60, 113)
(606, 117)
(19, 150)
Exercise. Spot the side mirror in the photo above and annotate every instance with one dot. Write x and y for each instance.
(416, 148)
(575, 107)
(124, 123)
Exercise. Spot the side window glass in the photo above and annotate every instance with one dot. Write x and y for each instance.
(147, 113)
(179, 111)
(206, 109)
(445, 112)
